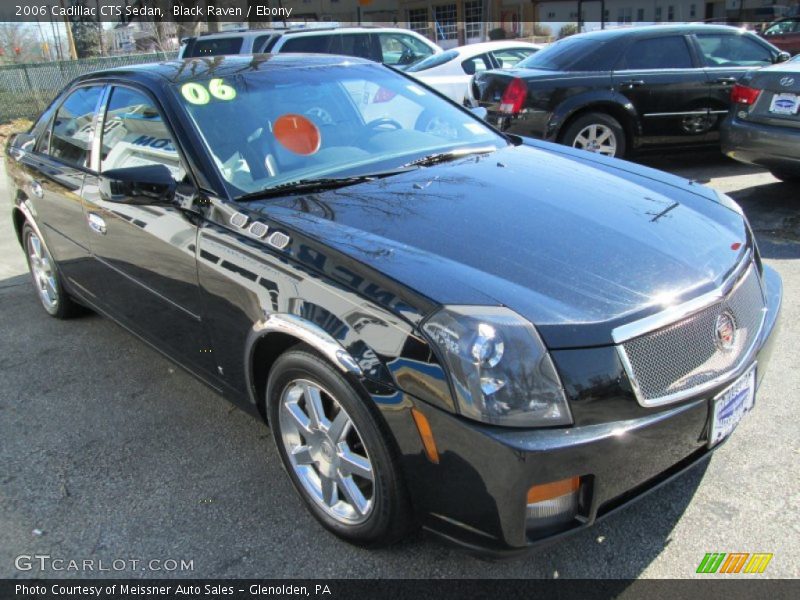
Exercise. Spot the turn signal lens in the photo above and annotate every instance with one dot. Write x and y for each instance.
(514, 97)
(553, 503)
(742, 94)
(426, 434)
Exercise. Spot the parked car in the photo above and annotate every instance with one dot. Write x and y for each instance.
(399, 48)
(432, 339)
(621, 90)
(450, 72)
(785, 34)
(763, 127)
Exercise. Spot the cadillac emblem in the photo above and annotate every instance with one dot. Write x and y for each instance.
(725, 331)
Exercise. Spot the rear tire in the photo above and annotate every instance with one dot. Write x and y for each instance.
(787, 177)
(46, 278)
(596, 132)
(338, 454)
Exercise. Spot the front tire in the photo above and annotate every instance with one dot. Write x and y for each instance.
(45, 276)
(337, 453)
(596, 132)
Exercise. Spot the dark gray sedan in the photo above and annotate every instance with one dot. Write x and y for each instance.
(763, 127)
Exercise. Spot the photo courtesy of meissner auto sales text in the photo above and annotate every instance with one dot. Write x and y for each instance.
(399, 298)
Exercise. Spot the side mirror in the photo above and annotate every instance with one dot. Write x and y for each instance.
(782, 57)
(479, 111)
(19, 144)
(148, 184)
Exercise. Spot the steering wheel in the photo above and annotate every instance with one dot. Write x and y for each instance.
(384, 121)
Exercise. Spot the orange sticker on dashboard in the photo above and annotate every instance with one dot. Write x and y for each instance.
(297, 134)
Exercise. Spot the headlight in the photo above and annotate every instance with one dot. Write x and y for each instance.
(499, 367)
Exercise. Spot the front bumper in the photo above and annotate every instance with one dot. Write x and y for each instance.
(767, 146)
(476, 495)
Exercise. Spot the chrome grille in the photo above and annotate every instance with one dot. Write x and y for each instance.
(681, 358)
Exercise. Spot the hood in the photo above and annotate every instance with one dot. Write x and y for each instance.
(575, 246)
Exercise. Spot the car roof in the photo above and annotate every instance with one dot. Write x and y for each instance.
(294, 31)
(198, 68)
(659, 29)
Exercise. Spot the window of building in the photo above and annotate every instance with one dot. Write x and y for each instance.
(418, 20)
(473, 18)
(445, 22)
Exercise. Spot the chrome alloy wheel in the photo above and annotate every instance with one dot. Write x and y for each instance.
(44, 276)
(596, 138)
(326, 452)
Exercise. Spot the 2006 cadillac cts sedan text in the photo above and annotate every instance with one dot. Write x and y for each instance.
(498, 338)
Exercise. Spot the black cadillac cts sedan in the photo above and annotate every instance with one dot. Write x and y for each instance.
(500, 339)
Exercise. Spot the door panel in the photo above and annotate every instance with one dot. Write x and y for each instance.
(659, 77)
(146, 254)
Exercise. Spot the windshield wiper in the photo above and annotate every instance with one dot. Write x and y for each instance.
(318, 184)
(441, 157)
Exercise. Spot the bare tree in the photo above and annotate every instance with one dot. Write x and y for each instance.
(18, 43)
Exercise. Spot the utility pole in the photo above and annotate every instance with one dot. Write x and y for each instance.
(73, 53)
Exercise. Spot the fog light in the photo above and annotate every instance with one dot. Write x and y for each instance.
(552, 503)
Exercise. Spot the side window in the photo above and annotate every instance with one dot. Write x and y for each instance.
(134, 134)
(260, 43)
(476, 64)
(726, 50)
(783, 27)
(511, 56)
(402, 49)
(357, 44)
(72, 131)
(317, 44)
(657, 53)
(214, 47)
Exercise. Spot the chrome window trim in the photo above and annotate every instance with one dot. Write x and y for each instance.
(674, 314)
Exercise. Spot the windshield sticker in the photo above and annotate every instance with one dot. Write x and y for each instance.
(196, 93)
(297, 134)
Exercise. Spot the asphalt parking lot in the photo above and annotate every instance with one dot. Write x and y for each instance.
(108, 451)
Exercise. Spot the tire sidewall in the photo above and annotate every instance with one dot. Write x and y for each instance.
(301, 364)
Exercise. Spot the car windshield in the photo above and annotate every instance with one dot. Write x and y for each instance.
(570, 54)
(274, 125)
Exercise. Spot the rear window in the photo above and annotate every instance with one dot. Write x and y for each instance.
(433, 61)
(572, 54)
(213, 46)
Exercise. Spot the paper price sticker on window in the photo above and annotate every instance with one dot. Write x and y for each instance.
(197, 93)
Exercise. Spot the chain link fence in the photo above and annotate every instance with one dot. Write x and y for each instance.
(26, 90)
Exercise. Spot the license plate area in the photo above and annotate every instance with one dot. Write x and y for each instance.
(728, 407)
(785, 104)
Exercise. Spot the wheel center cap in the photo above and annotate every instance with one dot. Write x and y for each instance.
(327, 450)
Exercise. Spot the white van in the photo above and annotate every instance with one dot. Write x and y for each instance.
(399, 48)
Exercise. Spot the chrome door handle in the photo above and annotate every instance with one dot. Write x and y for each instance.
(36, 189)
(634, 83)
(96, 223)
(726, 80)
